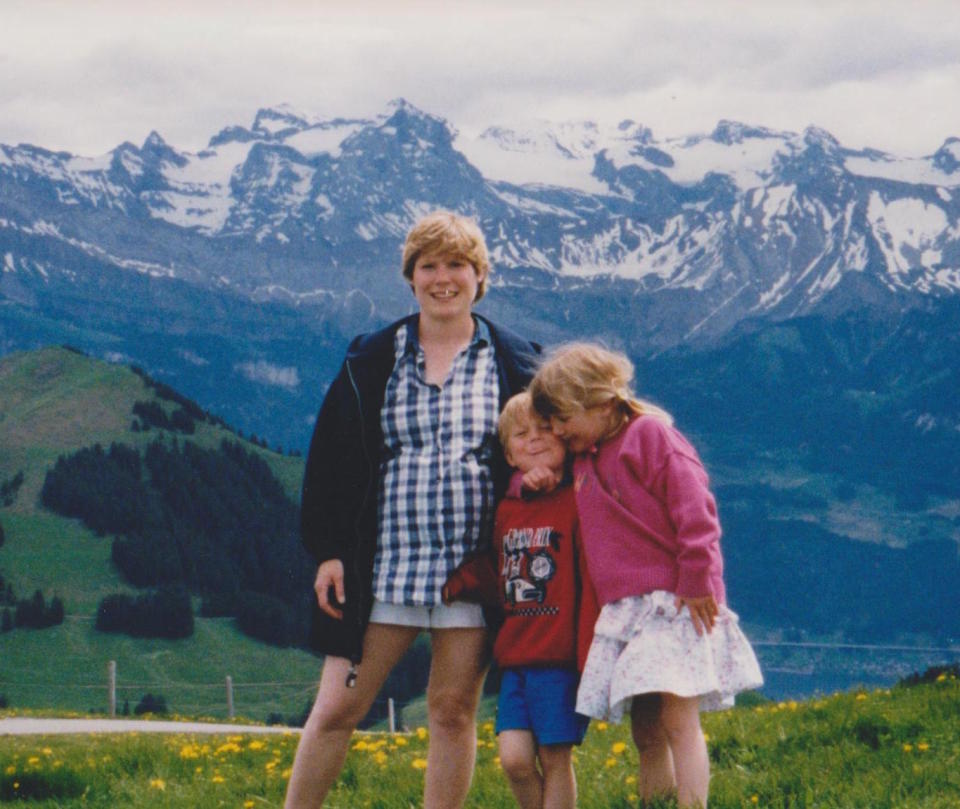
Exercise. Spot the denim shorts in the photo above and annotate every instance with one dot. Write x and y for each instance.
(541, 700)
(459, 615)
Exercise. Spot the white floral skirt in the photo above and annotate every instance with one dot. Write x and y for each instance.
(642, 645)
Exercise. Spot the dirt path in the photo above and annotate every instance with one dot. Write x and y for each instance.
(21, 726)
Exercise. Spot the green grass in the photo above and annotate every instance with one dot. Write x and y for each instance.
(65, 667)
(52, 402)
(877, 750)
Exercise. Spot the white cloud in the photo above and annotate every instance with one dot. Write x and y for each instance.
(266, 373)
(87, 76)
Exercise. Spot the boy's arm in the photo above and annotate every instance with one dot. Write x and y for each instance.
(474, 581)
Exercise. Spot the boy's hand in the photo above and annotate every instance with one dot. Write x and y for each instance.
(541, 479)
(703, 611)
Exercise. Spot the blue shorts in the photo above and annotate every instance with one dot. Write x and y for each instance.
(541, 700)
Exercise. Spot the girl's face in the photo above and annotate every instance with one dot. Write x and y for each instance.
(445, 285)
(583, 429)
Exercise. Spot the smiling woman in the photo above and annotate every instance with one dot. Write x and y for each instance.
(402, 476)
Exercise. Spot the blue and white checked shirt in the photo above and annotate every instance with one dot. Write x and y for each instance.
(436, 500)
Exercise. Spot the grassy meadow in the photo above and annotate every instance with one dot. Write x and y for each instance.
(887, 748)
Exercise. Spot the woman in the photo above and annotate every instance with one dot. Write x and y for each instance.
(400, 485)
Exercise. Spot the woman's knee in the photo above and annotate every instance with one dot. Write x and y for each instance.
(452, 709)
(330, 716)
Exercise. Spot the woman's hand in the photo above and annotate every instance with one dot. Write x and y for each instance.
(703, 611)
(330, 574)
(540, 479)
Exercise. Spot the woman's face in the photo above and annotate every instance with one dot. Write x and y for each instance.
(445, 285)
(583, 429)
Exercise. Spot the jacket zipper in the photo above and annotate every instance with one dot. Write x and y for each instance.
(351, 680)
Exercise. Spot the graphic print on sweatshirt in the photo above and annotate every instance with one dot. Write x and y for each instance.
(527, 565)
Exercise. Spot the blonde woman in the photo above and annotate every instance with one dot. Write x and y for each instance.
(665, 643)
(401, 481)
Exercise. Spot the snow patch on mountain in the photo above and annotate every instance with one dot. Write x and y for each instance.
(325, 139)
(908, 231)
(917, 171)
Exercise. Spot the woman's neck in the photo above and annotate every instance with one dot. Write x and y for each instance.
(455, 332)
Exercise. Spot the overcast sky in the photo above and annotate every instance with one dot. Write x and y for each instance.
(84, 76)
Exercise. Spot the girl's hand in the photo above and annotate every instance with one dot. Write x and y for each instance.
(703, 612)
(540, 479)
(330, 574)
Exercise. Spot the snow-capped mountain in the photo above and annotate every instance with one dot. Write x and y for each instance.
(742, 222)
(677, 241)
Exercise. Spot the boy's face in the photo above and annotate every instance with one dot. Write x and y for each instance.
(532, 444)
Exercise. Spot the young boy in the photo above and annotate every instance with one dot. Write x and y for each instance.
(549, 610)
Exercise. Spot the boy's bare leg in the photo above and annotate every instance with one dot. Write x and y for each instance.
(518, 758)
(458, 666)
(559, 783)
(656, 777)
(337, 711)
(681, 721)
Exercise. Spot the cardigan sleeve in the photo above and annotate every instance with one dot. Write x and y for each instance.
(668, 466)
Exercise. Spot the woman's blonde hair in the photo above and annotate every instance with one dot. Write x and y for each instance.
(579, 376)
(447, 233)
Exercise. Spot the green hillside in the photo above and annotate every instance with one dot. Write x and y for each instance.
(54, 402)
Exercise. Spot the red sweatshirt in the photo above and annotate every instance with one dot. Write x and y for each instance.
(541, 581)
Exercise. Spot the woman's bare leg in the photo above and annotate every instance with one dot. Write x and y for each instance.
(337, 711)
(680, 717)
(656, 777)
(459, 662)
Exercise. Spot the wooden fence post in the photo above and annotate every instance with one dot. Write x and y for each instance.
(230, 696)
(112, 687)
(391, 715)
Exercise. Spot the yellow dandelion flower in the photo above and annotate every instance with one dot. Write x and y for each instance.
(861, 697)
(421, 733)
(908, 748)
(11, 769)
(601, 726)
(618, 747)
(248, 805)
(792, 705)
(754, 799)
(400, 741)
(16, 785)
(287, 772)
(199, 770)
(630, 779)
(218, 779)
(610, 762)
(419, 764)
(158, 783)
(33, 760)
(270, 766)
(380, 757)
(942, 678)
(256, 745)
(633, 797)
(923, 747)
(189, 751)
(488, 727)
(706, 737)
(496, 760)
(361, 745)
(47, 751)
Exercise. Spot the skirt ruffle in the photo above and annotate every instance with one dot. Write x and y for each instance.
(643, 645)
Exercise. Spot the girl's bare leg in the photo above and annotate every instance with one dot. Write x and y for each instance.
(337, 711)
(458, 666)
(680, 717)
(559, 783)
(656, 778)
(518, 757)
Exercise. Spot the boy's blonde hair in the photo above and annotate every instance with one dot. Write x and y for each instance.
(447, 233)
(518, 408)
(579, 376)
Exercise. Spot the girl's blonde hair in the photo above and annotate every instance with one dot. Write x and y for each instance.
(579, 376)
(447, 233)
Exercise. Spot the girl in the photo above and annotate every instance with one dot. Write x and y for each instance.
(665, 643)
